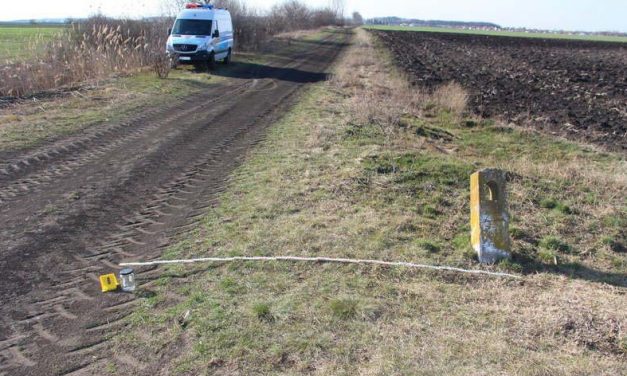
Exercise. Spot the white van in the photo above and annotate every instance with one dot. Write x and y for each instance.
(201, 34)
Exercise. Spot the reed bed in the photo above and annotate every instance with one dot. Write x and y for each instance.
(95, 49)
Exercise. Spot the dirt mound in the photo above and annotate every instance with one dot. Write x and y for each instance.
(575, 88)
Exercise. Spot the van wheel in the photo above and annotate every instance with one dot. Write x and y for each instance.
(227, 59)
(211, 62)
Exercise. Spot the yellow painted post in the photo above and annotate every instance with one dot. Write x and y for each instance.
(489, 219)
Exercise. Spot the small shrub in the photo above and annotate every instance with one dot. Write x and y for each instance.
(344, 308)
(162, 64)
(555, 244)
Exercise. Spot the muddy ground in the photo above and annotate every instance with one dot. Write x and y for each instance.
(74, 208)
(567, 87)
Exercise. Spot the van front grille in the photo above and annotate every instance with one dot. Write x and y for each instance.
(185, 47)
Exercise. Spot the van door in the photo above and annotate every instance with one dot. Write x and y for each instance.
(219, 41)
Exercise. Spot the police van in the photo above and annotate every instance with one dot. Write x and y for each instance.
(201, 34)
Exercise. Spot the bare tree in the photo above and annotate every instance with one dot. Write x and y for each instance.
(253, 26)
(172, 7)
(338, 6)
(357, 18)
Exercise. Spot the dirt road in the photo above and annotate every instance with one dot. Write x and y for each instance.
(74, 208)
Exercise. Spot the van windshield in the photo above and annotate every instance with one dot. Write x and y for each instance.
(192, 27)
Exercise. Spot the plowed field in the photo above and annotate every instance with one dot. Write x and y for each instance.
(574, 88)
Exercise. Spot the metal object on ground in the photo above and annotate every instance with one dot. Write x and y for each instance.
(108, 282)
(127, 277)
(489, 219)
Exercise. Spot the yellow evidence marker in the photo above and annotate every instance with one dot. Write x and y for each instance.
(489, 218)
(108, 282)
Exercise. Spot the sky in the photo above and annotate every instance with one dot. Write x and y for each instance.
(586, 15)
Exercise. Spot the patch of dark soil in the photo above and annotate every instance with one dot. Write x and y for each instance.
(568, 87)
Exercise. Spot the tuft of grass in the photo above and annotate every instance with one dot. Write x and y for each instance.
(451, 97)
(547, 256)
(516, 232)
(343, 308)
(548, 203)
(429, 246)
(262, 311)
(551, 203)
(553, 243)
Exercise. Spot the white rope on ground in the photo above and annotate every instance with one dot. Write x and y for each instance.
(319, 259)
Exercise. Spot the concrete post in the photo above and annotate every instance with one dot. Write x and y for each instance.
(489, 219)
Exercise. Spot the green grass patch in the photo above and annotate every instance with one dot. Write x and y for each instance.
(343, 308)
(23, 42)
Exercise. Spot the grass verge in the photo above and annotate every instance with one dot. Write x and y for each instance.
(366, 166)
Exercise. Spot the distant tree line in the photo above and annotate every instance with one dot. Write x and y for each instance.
(430, 23)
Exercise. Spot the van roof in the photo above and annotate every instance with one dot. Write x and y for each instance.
(201, 14)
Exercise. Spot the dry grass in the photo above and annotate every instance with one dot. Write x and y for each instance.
(94, 49)
(451, 97)
(329, 181)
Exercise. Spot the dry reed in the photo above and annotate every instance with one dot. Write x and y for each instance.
(94, 49)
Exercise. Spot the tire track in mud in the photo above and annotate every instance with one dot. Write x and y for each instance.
(23, 174)
(58, 322)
